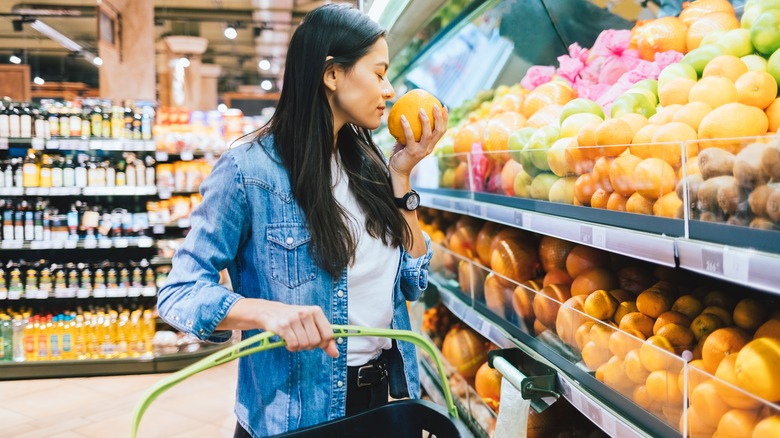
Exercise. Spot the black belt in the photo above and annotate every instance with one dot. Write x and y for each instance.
(367, 385)
(372, 373)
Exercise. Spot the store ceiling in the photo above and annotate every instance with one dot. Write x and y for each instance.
(275, 20)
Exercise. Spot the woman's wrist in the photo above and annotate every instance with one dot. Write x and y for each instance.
(400, 183)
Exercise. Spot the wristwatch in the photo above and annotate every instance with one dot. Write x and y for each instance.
(409, 201)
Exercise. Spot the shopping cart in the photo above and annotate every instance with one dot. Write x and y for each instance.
(403, 418)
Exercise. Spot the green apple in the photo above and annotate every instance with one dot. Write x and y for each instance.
(699, 58)
(556, 157)
(674, 71)
(773, 66)
(562, 191)
(768, 4)
(539, 143)
(572, 125)
(737, 42)
(651, 97)
(765, 32)
(632, 103)
(754, 62)
(448, 179)
(581, 105)
(540, 187)
(516, 143)
(712, 37)
(749, 15)
(649, 84)
(522, 184)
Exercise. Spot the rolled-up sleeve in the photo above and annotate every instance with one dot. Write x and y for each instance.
(414, 271)
(192, 300)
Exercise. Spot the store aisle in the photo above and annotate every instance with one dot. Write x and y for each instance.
(201, 406)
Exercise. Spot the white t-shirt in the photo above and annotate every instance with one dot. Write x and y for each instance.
(370, 279)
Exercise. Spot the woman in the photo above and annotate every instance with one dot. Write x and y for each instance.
(314, 229)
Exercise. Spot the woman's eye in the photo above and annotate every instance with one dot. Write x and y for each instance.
(381, 78)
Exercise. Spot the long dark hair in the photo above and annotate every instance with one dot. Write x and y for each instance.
(303, 137)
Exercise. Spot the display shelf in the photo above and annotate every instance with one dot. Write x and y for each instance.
(163, 156)
(117, 243)
(76, 191)
(119, 292)
(166, 363)
(757, 269)
(80, 144)
(645, 246)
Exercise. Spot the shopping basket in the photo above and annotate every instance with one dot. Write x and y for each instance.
(403, 418)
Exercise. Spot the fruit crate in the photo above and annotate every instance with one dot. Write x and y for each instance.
(651, 372)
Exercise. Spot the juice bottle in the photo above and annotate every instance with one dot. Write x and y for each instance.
(91, 336)
(18, 338)
(66, 332)
(148, 331)
(121, 334)
(30, 338)
(6, 338)
(79, 339)
(55, 338)
(44, 326)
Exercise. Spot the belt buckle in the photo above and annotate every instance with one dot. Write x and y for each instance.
(371, 367)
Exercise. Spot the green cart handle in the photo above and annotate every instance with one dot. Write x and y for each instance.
(262, 342)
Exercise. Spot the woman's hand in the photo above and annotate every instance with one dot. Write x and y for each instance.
(301, 327)
(404, 158)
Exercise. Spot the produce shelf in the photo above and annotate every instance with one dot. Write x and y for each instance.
(118, 243)
(607, 409)
(75, 191)
(641, 245)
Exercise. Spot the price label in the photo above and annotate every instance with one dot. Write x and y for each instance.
(134, 292)
(599, 237)
(145, 242)
(129, 146)
(37, 244)
(3, 143)
(149, 291)
(121, 242)
(57, 244)
(475, 210)
(527, 220)
(161, 156)
(594, 413)
(586, 234)
(90, 244)
(99, 292)
(83, 293)
(187, 156)
(71, 244)
(484, 327)
(53, 144)
(104, 243)
(12, 244)
(712, 261)
(38, 144)
(519, 218)
(736, 264)
(98, 145)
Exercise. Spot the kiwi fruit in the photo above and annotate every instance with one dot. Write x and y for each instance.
(748, 169)
(708, 192)
(761, 223)
(770, 162)
(737, 220)
(757, 200)
(715, 162)
(730, 195)
(773, 204)
(693, 182)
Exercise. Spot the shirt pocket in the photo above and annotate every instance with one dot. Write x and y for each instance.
(288, 254)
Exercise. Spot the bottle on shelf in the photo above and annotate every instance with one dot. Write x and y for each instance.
(31, 171)
(17, 327)
(5, 124)
(25, 121)
(6, 338)
(54, 120)
(14, 122)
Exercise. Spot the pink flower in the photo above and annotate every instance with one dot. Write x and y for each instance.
(537, 75)
(611, 42)
(577, 52)
(570, 68)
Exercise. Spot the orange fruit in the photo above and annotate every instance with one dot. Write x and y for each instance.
(727, 66)
(497, 133)
(720, 299)
(570, 318)
(670, 317)
(615, 375)
(756, 88)
(769, 329)
(621, 295)
(680, 336)
(553, 253)
(708, 403)
(635, 371)
(600, 174)
(692, 113)
(668, 205)
(653, 303)
(616, 202)
(582, 335)
(662, 386)
(661, 35)
(712, 22)
(599, 199)
(642, 397)
(730, 121)
(737, 423)
(468, 135)
(665, 114)
(757, 368)
(600, 305)
(654, 178)
(640, 144)
(723, 314)
(773, 115)
(600, 334)
(675, 91)
(715, 91)
(768, 427)
(624, 309)
(409, 106)
(636, 121)
(637, 203)
(696, 375)
(595, 279)
(673, 134)
(614, 136)
(508, 102)
(688, 305)
(557, 276)
(620, 342)
(551, 93)
(705, 324)
(692, 11)
(696, 427)
(583, 258)
(546, 116)
(750, 314)
(637, 321)
(722, 343)
(594, 356)
(657, 353)
(584, 188)
(726, 385)
(621, 174)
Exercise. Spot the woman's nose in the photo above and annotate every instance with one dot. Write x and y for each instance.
(387, 90)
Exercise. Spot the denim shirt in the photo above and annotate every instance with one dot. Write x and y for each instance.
(250, 224)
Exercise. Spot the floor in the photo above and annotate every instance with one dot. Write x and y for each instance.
(92, 407)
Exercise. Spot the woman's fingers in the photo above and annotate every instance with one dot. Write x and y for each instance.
(407, 131)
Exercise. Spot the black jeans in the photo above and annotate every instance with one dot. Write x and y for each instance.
(359, 398)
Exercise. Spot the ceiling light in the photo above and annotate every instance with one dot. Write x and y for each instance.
(264, 64)
(39, 80)
(266, 85)
(15, 59)
(98, 61)
(56, 36)
(231, 33)
(222, 107)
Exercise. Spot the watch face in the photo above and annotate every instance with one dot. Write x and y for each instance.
(413, 201)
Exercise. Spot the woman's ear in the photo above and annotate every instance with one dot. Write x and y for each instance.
(329, 78)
